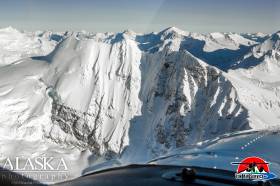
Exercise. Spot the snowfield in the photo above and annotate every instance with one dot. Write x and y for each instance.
(16, 45)
(127, 97)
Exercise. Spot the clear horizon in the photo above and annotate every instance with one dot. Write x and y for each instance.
(142, 16)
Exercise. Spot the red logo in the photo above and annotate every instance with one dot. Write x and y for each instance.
(253, 164)
(253, 168)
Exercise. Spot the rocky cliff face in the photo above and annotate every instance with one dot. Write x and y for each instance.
(109, 96)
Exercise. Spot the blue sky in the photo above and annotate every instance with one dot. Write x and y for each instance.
(142, 16)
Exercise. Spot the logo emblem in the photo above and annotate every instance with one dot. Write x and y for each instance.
(253, 168)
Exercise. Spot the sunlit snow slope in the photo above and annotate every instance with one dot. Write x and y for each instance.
(134, 96)
(15, 45)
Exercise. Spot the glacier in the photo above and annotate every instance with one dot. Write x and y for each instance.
(128, 97)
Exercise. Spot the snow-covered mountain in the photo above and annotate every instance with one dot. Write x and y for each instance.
(132, 96)
(16, 45)
(256, 78)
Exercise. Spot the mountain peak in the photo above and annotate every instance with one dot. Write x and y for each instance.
(274, 38)
(277, 34)
(9, 29)
(173, 30)
(128, 33)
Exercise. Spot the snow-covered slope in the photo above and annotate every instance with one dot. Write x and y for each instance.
(15, 45)
(131, 96)
(258, 37)
(257, 79)
(220, 152)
